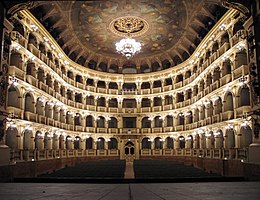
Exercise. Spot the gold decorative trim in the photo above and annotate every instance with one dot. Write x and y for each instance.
(123, 26)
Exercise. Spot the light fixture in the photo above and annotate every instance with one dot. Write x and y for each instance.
(128, 47)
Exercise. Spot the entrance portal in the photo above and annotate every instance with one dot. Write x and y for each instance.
(129, 151)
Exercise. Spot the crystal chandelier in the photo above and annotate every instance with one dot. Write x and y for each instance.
(128, 47)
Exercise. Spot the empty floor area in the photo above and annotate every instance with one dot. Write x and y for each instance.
(158, 191)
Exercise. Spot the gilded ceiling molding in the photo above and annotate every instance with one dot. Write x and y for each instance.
(237, 6)
(20, 6)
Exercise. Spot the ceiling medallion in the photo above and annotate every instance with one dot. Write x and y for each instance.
(122, 26)
(128, 27)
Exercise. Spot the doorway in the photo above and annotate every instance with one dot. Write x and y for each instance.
(129, 151)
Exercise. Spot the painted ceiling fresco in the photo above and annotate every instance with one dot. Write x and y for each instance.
(164, 19)
(167, 29)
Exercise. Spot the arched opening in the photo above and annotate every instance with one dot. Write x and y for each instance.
(100, 122)
(62, 142)
(32, 40)
(226, 68)
(168, 100)
(237, 27)
(101, 101)
(89, 121)
(218, 106)
(113, 68)
(102, 67)
(158, 122)
(39, 140)
(49, 109)
(79, 79)
(179, 97)
(49, 81)
(181, 119)
(129, 86)
(168, 81)
(113, 85)
(19, 28)
(196, 115)
(101, 84)
(181, 140)
(229, 139)
(129, 148)
(146, 123)
(169, 121)
(90, 100)
(30, 69)
(129, 69)
(158, 143)
(166, 64)
(112, 123)
(100, 143)
(197, 141)
(40, 106)
(13, 97)
(202, 141)
(179, 78)
(244, 97)
(77, 119)
(146, 143)
(16, 60)
(145, 102)
(69, 95)
(156, 67)
(219, 139)
(13, 138)
(77, 142)
(69, 117)
(245, 136)
(189, 142)
(28, 140)
(202, 112)
(29, 103)
(62, 116)
(228, 102)
(47, 141)
(129, 103)
(224, 38)
(187, 74)
(157, 84)
(169, 143)
(145, 68)
(92, 64)
(210, 140)
(209, 80)
(112, 103)
(145, 85)
(157, 101)
(56, 111)
(78, 97)
(89, 143)
(70, 75)
(90, 82)
(42, 48)
(112, 143)
(216, 74)
(68, 142)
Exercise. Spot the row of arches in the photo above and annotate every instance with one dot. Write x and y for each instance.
(41, 141)
(127, 67)
(197, 113)
(47, 78)
(211, 140)
(46, 141)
